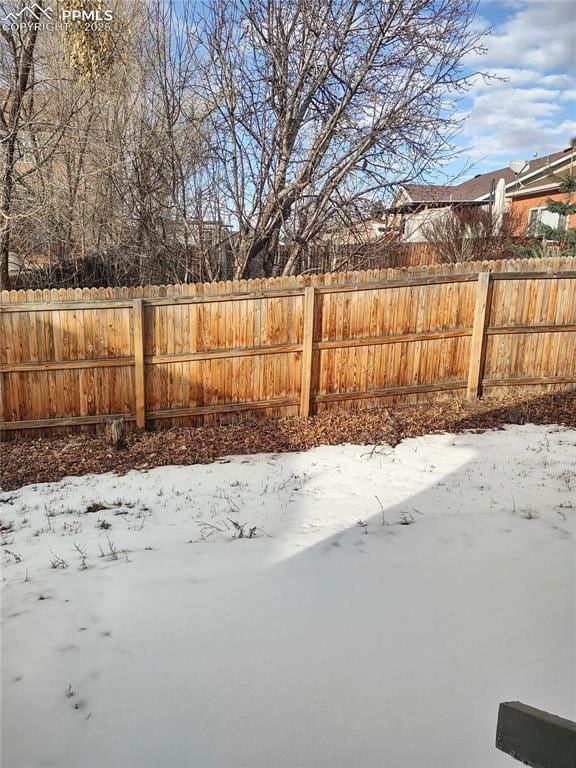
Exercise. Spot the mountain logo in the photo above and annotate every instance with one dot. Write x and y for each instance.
(34, 11)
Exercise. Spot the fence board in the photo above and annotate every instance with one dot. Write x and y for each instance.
(138, 346)
(477, 344)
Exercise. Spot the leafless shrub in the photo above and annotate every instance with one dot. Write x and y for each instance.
(569, 479)
(141, 515)
(465, 233)
(82, 555)
(209, 529)
(295, 479)
(240, 531)
(111, 551)
(58, 562)
(14, 555)
(72, 528)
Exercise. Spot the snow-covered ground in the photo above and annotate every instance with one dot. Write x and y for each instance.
(387, 601)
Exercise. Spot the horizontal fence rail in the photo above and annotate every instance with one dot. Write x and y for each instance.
(284, 346)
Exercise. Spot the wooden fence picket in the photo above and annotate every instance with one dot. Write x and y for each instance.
(139, 379)
(477, 343)
(307, 342)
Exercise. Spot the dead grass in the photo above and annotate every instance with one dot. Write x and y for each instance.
(50, 459)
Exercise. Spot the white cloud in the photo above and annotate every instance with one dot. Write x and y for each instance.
(540, 35)
(528, 107)
(520, 141)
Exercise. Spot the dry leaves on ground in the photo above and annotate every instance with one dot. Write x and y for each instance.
(52, 458)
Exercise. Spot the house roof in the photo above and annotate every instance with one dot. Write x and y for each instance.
(430, 193)
(479, 185)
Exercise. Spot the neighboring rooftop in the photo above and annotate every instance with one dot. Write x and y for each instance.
(479, 185)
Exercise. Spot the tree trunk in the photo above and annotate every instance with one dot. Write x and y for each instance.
(5, 209)
(115, 431)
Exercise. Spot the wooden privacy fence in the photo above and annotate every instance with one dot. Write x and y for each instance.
(283, 347)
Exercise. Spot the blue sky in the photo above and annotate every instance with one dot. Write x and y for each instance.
(533, 111)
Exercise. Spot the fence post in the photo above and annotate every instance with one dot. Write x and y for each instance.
(307, 340)
(478, 340)
(138, 341)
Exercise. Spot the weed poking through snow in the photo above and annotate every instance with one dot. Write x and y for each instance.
(240, 530)
(57, 561)
(14, 555)
(82, 555)
(112, 552)
(384, 521)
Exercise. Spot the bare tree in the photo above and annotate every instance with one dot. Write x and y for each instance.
(322, 103)
(17, 80)
(166, 143)
(42, 147)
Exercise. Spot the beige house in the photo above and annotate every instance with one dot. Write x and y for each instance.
(525, 191)
(366, 230)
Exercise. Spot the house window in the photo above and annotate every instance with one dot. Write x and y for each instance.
(534, 218)
(542, 215)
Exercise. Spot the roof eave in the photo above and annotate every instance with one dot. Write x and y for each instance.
(526, 177)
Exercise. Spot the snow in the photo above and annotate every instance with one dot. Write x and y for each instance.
(335, 636)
